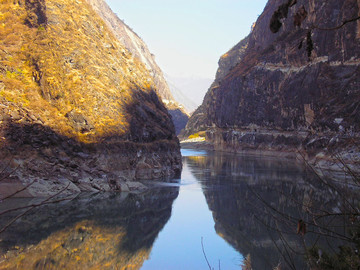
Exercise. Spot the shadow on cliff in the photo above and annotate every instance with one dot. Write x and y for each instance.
(148, 119)
(44, 153)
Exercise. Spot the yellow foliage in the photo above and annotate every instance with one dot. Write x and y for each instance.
(67, 65)
(197, 135)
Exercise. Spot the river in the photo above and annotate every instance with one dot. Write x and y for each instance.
(225, 208)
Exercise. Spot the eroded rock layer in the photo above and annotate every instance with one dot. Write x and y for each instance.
(76, 107)
(292, 84)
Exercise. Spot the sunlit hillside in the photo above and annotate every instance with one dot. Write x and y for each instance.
(63, 68)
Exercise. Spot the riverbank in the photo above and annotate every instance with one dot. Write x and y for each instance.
(343, 163)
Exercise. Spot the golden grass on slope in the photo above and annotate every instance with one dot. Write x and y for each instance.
(15, 73)
(71, 63)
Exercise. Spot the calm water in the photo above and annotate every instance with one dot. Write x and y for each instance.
(226, 200)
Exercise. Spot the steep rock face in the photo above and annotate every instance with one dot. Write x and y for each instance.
(230, 59)
(139, 49)
(226, 63)
(76, 107)
(295, 85)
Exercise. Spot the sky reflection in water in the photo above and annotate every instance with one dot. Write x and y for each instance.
(179, 244)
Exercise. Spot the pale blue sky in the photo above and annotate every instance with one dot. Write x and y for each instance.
(188, 36)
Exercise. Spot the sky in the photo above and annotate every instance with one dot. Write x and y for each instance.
(188, 37)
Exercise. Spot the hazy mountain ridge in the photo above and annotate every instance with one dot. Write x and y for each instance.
(72, 97)
(292, 88)
(193, 88)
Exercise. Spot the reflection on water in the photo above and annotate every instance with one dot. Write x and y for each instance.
(104, 231)
(257, 203)
(238, 204)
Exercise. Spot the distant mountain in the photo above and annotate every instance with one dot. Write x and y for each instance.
(189, 91)
(189, 105)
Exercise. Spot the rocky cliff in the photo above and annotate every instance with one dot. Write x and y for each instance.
(76, 107)
(293, 83)
(139, 49)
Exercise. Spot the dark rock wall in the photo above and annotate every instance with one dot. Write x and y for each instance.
(296, 77)
(179, 118)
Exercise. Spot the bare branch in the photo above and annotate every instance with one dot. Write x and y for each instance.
(8, 174)
(18, 191)
(35, 205)
(203, 250)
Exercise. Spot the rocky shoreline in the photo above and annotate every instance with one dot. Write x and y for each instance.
(326, 154)
(45, 162)
(112, 167)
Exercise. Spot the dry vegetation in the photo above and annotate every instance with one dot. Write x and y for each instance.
(200, 134)
(69, 63)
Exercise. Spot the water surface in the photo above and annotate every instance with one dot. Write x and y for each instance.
(237, 204)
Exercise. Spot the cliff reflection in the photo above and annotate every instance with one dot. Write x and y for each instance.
(104, 231)
(257, 202)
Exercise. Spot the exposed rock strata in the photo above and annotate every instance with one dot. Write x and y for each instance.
(293, 87)
(76, 107)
